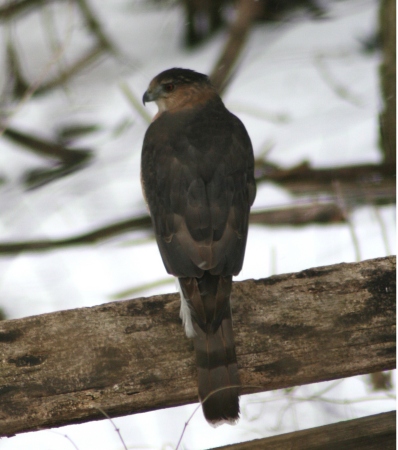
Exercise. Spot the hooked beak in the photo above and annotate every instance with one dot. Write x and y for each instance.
(148, 97)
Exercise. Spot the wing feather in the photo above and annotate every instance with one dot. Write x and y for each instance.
(197, 172)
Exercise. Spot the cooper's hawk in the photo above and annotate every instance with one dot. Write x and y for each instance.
(197, 175)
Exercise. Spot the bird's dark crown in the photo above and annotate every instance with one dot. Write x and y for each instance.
(182, 76)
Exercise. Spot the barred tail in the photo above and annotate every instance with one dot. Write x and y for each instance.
(209, 302)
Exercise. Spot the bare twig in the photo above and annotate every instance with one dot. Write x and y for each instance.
(114, 426)
(143, 287)
(66, 437)
(83, 61)
(33, 87)
(16, 83)
(186, 425)
(103, 44)
(347, 215)
(273, 117)
(383, 230)
(336, 86)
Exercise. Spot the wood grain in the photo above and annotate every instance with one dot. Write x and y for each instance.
(132, 356)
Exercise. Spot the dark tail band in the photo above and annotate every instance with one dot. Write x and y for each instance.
(218, 380)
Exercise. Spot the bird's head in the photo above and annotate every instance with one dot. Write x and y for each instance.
(176, 88)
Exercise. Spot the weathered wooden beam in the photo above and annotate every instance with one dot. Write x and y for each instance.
(132, 356)
(368, 433)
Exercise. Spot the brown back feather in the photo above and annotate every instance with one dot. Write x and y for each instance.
(198, 179)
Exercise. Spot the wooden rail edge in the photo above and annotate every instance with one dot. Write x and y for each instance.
(367, 433)
(132, 356)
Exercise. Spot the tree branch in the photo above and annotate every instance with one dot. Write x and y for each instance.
(388, 81)
(320, 213)
(352, 185)
(360, 184)
(15, 8)
(245, 13)
(131, 356)
(69, 160)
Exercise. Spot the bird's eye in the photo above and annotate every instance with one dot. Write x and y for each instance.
(169, 87)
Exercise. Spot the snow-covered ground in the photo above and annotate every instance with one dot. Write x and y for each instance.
(311, 73)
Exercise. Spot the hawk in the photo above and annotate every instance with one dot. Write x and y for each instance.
(197, 171)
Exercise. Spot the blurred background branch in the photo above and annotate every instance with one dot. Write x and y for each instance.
(388, 78)
(304, 77)
(295, 215)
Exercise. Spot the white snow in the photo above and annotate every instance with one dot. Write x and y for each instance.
(311, 74)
